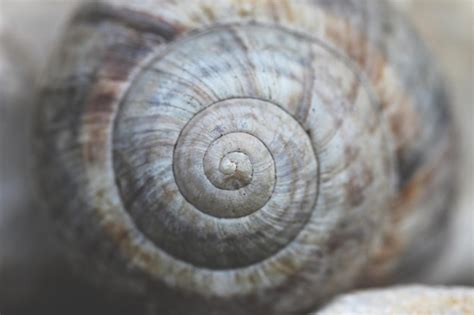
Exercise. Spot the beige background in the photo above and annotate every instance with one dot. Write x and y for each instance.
(447, 26)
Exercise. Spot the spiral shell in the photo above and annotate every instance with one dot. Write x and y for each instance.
(237, 158)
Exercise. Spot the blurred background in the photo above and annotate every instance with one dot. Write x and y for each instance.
(30, 265)
(447, 26)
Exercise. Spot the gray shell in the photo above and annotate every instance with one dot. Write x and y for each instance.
(246, 156)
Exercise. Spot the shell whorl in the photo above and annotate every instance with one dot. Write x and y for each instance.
(239, 162)
(228, 163)
(213, 163)
(243, 178)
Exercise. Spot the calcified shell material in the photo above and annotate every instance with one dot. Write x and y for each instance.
(254, 156)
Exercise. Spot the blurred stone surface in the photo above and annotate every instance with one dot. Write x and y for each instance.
(413, 300)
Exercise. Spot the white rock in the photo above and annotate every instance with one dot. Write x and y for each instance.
(409, 300)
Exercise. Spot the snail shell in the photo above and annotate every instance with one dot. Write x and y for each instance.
(252, 156)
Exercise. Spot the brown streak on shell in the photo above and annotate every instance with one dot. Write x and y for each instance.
(338, 239)
(412, 193)
(403, 124)
(138, 20)
(348, 40)
(100, 108)
(290, 14)
(209, 12)
(420, 185)
(382, 262)
(356, 185)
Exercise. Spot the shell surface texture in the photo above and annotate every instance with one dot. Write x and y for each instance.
(247, 156)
